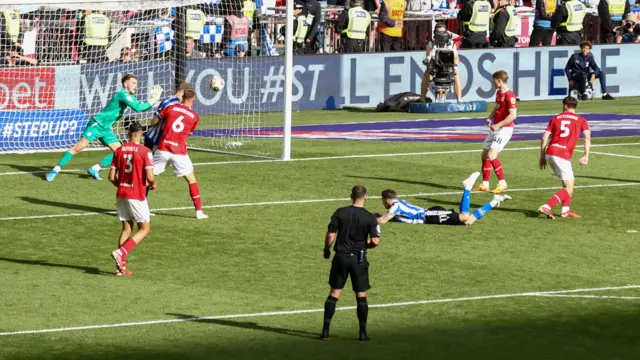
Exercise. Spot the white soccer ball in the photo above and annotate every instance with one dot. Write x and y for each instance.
(216, 83)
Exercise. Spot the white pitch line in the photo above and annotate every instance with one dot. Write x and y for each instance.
(295, 312)
(617, 155)
(310, 201)
(591, 296)
(332, 158)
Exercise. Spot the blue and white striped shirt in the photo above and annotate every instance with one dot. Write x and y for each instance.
(155, 132)
(406, 212)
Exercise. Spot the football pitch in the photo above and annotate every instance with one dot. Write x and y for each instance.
(250, 282)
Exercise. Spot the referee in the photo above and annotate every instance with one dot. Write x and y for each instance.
(357, 230)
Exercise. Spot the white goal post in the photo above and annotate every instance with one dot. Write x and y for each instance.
(57, 71)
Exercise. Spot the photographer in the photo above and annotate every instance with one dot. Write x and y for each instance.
(628, 32)
(611, 13)
(442, 40)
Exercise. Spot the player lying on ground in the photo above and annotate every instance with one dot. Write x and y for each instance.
(100, 126)
(564, 130)
(153, 134)
(402, 211)
(131, 172)
(180, 121)
(500, 123)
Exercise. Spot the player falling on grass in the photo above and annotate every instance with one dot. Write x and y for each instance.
(563, 130)
(154, 132)
(100, 126)
(403, 211)
(131, 172)
(180, 121)
(500, 123)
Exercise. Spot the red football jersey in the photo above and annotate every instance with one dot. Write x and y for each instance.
(179, 123)
(565, 131)
(132, 161)
(505, 101)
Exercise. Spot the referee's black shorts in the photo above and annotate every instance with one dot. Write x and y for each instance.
(344, 265)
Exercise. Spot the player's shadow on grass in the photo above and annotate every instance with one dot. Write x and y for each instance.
(69, 206)
(606, 178)
(431, 202)
(37, 171)
(248, 325)
(87, 269)
(403, 181)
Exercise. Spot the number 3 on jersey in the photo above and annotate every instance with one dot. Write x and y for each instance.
(128, 158)
(178, 125)
(564, 127)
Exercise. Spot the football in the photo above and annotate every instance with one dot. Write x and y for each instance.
(216, 83)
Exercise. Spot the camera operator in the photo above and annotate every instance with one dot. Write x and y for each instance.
(611, 13)
(628, 32)
(442, 40)
(504, 25)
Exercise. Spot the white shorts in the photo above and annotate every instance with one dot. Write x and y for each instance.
(498, 139)
(136, 210)
(561, 167)
(182, 164)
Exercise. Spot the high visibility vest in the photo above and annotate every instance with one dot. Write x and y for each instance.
(195, 23)
(550, 6)
(576, 12)
(541, 20)
(616, 9)
(301, 29)
(512, 23)
(12, 25)
(248, 9)
(359, 20)
(96, 29)
(481, 16)
(396, 13)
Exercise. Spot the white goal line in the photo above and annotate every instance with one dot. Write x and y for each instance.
(310, 201)
(445, 152)
(308, 311)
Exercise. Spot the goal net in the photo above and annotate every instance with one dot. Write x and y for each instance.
(62, 62)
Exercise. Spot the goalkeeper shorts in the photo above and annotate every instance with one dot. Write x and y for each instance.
(97, 132)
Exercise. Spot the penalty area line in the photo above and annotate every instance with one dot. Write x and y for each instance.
(308, 311)
(339, 157)
(310, 201)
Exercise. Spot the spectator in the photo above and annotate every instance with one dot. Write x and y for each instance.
(190, 45)
(416, 29)
(125, 55)
(581, 69)
(372, 5)
(629, 31)
(15, 57)
(568, 24)
(391, 24)
(476, 16)
(611, 13)
(542, 30)
(236, 32)
(504, 25)
(241, 50)
(353, 27)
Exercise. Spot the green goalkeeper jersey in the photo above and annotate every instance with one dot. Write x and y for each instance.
(116, 108)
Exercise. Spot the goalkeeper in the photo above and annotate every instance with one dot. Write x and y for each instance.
(100, 126)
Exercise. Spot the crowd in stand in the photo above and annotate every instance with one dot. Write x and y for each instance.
(237, 28)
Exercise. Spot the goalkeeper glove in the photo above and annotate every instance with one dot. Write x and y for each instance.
(327, 253)
(156, 92)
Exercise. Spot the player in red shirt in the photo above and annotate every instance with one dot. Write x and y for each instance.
(564, 130)
(131, 172)
(500, 122)
(180, 121)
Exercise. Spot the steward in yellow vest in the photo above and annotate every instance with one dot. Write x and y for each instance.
(475, 16)
(504, 24)
(611, 14)
(391, 24)
(305, 26)
(567, 20)
(195, 23)
(10, 31)
(354, 27)
(95, 28)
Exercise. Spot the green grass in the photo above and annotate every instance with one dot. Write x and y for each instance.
(55, 272)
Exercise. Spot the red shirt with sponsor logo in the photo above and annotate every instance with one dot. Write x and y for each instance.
(179, 122)
(132, 160)
(565, 129)
(505, 101)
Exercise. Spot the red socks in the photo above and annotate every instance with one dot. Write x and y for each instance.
(194, 190)
(561, 196)
(486, 170)
(127, 247)
(497, 167)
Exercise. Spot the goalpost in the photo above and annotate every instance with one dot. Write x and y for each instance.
(57, 73)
